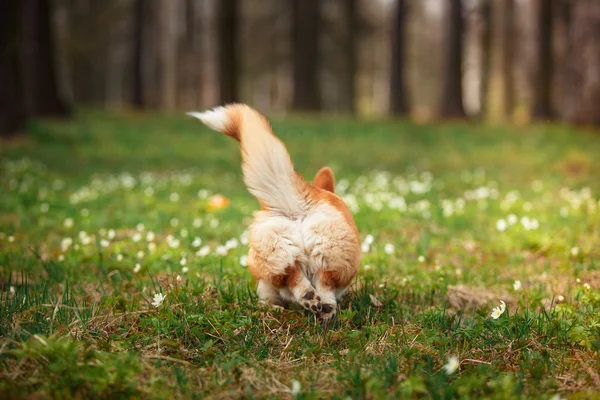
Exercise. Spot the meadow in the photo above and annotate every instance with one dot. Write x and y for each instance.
(122, 263)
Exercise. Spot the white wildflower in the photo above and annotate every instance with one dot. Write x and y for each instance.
(221, 250)
(203, 252)
(68, 223)
(119, 257)
(512, 219)
(574, 251)
(197, 242)
(421, 259)
(183, 261)
(136, 237)
(185, 270)
(501, 225)
(158, 299)
(140, 227)
(65, 244)
(517, 285)
(151, 247)
(104, 243)
(111, 234)
(150, 236)
(44, 207)
(137, 268)
(183, 233)
(498, 311)
(389, 248)
(244, 261)
(452, 365)
(295, 391)
(140, 254)
(174, 197)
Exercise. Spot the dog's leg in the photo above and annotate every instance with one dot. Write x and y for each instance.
(268, 293)
(327, 292)
(303, 291)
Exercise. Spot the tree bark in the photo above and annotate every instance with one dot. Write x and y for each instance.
(12, 112)
(348, 102)
(305, 55)
(486, 42)
(228, 62)
(542, 108)
(140, 15)
(38, 61)
(581, 95)
(452, 93)
(398, 102)
(167, 53)
(28, 75)
(497, 93)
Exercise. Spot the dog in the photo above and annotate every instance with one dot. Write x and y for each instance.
(304, 246)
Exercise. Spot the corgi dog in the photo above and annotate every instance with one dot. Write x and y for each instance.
(304, 244)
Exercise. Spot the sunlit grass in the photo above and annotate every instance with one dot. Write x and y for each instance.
(122, 268)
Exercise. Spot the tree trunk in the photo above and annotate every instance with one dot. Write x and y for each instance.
(228, 62)
(497, 95)
(508, 68)
(542, 108)
(398, 103)
(140, 15)
(452, 93)
(12, 112)
(167, 53)
(190, 66)
(305, 54)
(348, 102)
(486, 42)
(581, 96)
(38, 62)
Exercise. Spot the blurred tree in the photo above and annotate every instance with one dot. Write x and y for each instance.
(398, 102)
(189, 85)
(28, 78)
(228, 60)
(167, 52)
(499, 89)
(305, 54)
(12, 111)
(452, 93)
(140, 17)
(348, 102)
(581, 93)
(486, 42)
(542, 102)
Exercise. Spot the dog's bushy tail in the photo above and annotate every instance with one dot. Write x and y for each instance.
(268, 170)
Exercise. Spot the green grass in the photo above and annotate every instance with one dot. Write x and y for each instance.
(80, 198)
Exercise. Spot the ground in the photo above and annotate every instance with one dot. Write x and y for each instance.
(122, 248)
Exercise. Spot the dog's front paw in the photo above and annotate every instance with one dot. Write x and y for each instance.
(327, 312)
(311, 301)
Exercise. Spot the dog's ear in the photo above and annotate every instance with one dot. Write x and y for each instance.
(325, 180)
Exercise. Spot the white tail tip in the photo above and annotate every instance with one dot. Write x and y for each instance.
(216, 118)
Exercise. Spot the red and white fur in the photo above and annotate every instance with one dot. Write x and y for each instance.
(304, 244)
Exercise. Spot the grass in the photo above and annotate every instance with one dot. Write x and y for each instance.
(100, 214)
